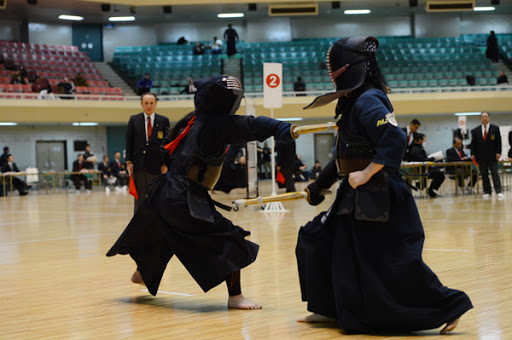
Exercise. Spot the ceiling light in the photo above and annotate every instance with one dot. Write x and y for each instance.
(85, 124)
(468, 113)
(481, 9)
(71, 17)
(8, 124)
(230, 15)
(130, 18)
(357, 11)
(289, 119)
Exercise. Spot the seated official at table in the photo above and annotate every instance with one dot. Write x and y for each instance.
(107, 177)
(456, 154)
(119, 170)
(418, 154)
(9, 167)
(80, 165)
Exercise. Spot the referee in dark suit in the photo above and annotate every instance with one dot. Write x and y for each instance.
(486, 150)
(144, 135)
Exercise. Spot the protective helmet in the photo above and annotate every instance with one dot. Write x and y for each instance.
(218, 95)
(350, 61)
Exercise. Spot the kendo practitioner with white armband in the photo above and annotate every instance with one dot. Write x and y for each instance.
(360, 263)
(178, 217)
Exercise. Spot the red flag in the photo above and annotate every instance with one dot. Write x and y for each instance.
(280, 178)
(133, 189)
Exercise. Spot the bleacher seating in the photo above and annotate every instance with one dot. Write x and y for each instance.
(47, 61)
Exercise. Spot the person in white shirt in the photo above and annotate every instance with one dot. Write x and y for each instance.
(216, 46)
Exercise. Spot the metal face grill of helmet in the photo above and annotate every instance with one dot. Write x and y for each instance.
(218, 95)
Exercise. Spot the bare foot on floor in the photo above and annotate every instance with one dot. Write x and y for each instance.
(316, 318)
(137, 278)
(240, 302)
(450, 326)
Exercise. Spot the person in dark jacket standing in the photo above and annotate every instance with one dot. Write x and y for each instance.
(360, 263)
(144, 135)
(285, 162)
(486, 151)
(492, 52)
(231, 38)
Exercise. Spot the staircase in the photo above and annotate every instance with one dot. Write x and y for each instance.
(233, 67)
(113, 78)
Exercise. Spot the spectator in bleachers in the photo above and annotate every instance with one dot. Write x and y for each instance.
(119, 171)
(3, 157)
(216, 46)
(457, 154)
(502, 79)
(198, 49)
(322, 66)
(80, 80)
(492, 52)
(231, 37)
(89, 157)
(66, 87)
(190, 88)
(144, 85)
(80, 165)
(17, 78)
(417, 153)
(410, 130)
(182, 41)
(486, 151)
(107, 176)
(315, 170)
(299, 86)
(11, 167)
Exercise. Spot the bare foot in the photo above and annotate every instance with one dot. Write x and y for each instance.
(137, 278)
(450, 326)
(240, 302)
(316, 318)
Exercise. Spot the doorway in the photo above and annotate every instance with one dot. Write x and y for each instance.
(51, 156)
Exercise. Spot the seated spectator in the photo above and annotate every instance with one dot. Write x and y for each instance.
(315, 170)
(502, 79)
(43, 88)
(182, 41)
(3, 158)
(11, 167)
(80, 81)
(80, 166)
(299, 86)
(470, 80)
(456, 154)
(301, 174)
(119, 171)
(418, 154)
(190, 88)
(144, 85)
(89, 157)
(66, 87)
(216, 46)
(107, 176)
(18, 78)
(198, 49)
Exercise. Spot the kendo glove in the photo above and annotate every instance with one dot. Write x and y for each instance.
(314, 192)
(285, 133)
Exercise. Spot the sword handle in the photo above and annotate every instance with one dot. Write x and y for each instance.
(301, 130)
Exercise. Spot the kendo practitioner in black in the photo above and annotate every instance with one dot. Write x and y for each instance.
(178, 216)
(360, 263)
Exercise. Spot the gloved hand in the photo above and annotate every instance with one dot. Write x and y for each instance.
(285, 133)
(314, 194)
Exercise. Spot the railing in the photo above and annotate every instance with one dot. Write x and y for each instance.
(103, 97)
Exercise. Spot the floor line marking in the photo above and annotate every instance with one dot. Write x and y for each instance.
(168, 293)
(57, 239)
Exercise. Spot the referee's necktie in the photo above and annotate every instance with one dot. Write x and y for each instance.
(150, 128)
(485, 134)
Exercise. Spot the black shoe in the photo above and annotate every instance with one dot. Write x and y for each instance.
(25, 193)
(432, 193)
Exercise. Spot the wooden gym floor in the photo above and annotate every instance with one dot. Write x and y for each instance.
(58, 284)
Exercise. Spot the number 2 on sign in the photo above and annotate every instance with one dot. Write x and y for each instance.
(273, 80)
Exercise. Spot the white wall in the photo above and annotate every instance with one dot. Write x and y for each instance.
(50, 34)
(127, 35)
(10, 30)
(437, 25)
(484, 23)
(22, 141)
(269, 29)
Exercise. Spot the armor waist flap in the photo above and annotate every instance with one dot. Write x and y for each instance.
(205, 171)
(353, 153)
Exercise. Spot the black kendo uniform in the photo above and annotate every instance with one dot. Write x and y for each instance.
(233, 175)
(178, 216)
(361, 261)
